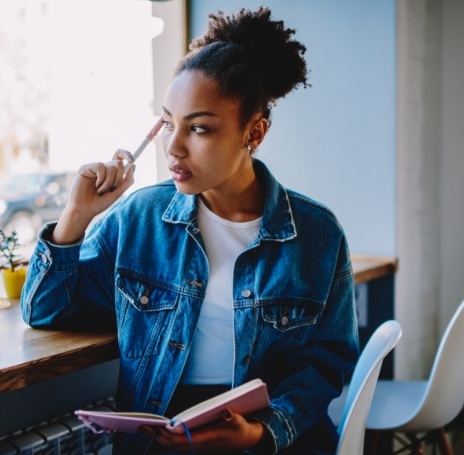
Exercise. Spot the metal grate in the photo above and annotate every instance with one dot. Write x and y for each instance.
(65, 435)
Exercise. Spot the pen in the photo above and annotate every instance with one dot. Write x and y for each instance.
(149, 137)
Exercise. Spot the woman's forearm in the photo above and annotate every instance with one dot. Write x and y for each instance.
(70, 228)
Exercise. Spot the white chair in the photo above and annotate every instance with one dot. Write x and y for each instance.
(361, 389)
(421, 409)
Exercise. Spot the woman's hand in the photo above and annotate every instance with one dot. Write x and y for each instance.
(96, 187)
(232, 434)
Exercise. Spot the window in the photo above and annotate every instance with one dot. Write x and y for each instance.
(76, 83)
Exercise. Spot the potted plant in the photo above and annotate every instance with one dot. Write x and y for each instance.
(13, 267)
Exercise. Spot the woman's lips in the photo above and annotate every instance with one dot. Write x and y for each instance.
(179, 174)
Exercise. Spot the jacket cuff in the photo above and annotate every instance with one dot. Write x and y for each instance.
(64, 258)
(279, 433)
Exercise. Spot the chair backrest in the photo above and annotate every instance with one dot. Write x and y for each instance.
(361, 389)
(444, 395)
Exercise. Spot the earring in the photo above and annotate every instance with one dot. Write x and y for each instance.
(250, 147)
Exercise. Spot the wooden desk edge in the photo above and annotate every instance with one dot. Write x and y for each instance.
(20, 376)
(367, 268)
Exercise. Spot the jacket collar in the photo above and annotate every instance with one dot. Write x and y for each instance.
(277, 223)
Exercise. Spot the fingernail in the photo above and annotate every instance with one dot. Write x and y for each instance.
(227, 415)
(112, 189)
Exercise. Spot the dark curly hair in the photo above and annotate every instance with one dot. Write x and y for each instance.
(252, 57)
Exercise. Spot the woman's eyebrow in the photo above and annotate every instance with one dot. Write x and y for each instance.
(193, 114)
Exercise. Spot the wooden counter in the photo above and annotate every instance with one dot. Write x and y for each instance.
(28, 356)
(368, 268)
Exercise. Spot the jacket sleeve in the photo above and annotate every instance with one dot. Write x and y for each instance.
(67, 286)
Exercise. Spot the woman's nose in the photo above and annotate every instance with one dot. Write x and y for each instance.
(174, 146)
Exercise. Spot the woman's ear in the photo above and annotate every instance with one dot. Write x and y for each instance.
(257, 133)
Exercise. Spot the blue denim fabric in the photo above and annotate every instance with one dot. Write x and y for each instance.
(145, 264)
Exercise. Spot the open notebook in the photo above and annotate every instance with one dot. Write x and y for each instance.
(245, 399)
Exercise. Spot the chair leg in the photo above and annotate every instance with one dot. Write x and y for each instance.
(371, 442)
(378, 443)
(417, 447)
(443, 442)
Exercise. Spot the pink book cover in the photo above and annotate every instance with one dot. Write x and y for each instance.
(245, 399)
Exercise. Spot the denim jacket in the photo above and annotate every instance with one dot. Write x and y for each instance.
(145, 265)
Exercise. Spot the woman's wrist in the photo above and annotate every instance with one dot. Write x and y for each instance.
(266, 444)
(70, 228)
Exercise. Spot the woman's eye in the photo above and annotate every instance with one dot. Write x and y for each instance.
(167, 124)
(199, 129)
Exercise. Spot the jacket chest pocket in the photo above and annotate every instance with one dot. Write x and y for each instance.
(145, 311)
(289, 314)
(144, 296)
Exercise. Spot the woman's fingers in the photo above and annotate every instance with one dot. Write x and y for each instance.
(230, 435)
(111, 174)
(96, 187)
(121, 154)
(107, 176)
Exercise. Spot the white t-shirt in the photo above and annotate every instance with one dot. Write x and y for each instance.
(211, 356)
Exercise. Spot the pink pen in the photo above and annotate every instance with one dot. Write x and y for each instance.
(150, 136)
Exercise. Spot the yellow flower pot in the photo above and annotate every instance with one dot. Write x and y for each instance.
(14, 282)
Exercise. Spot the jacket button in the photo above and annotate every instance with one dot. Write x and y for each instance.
(43, 258)
(143, 300)
(246, 293)
(284, 320)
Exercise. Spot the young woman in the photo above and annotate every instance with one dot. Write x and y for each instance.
(218, 276)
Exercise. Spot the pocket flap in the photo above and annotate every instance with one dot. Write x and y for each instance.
(144, 295)
(288, 314)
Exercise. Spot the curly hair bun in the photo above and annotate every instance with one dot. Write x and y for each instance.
(251, 57)
(269, 46)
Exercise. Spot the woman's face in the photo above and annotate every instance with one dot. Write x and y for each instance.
(204, 145)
